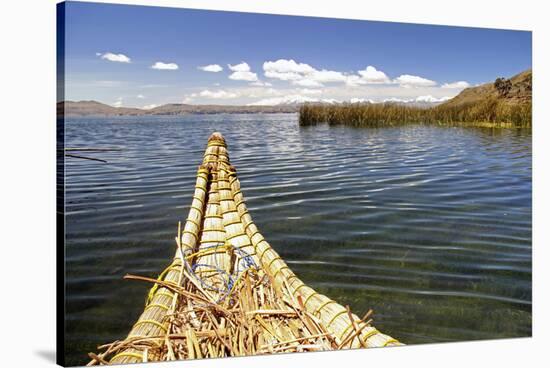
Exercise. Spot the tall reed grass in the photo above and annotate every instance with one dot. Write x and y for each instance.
(489, 112)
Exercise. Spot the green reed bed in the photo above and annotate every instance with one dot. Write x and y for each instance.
(487, 113)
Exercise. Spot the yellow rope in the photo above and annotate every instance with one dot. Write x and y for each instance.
(164, 293)
(204, 252)
(128, 354)
(236, 236)
(245, 211)
(232, 223)
(261, 256)
(194, 222)
(298, 288)
(199, 199)
(247, 225)
(153, 305)
(198, 209)
(152, 322)
(318, 310)
(345, 330)
(279, 270)
(292, 277)
(390, 341)
(192, 233)
(277, 258)
(309, 297)
(160, 278)
(369, 334)
(336, 316)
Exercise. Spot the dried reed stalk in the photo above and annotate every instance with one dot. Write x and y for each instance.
(228, 293)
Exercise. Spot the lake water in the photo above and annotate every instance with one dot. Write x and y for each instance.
(428, 226)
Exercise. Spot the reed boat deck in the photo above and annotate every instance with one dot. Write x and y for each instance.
(228, 293)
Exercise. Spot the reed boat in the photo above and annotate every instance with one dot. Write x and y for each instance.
(227, 292)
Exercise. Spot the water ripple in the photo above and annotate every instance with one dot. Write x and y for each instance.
(429, 226)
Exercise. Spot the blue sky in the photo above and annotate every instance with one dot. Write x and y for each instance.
(141, 56)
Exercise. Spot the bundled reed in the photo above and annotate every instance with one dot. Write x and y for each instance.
(228, 293)
(489, 112)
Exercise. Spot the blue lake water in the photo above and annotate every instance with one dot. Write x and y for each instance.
(428, 226)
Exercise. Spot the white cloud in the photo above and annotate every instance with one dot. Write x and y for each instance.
(264, 92)
(242, 67)
(408, 81)
(220, 94)
(286, 76)
(301, 74)
(273, 91)
(456, 85)
(371, 75)
(307, 83)
(244, 76)
(260, 83)
(140, 96)
(118, 58)
(241, 72)
(308, 91)
(287, 66)
(289, 70)
(419, 99)
(159, 65)
(355, 80)
(431, 99)
(293, 98)
(304, 75)
(360, 100)
(118, 102)
(330, 100)
(327, 76)
(149, 107)
(284, 100)
(213, 68)
(398, 100)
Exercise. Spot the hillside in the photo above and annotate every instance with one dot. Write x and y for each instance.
(85, 108)
(520, 92)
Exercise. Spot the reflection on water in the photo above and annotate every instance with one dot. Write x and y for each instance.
(429, 226)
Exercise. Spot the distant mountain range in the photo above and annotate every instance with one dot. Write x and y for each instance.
(94, 108)
(518, 91)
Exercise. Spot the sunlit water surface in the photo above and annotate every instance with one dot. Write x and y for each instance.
(428, 226)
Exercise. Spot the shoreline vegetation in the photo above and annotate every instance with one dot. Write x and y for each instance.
(487, 113)
(506, 103)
